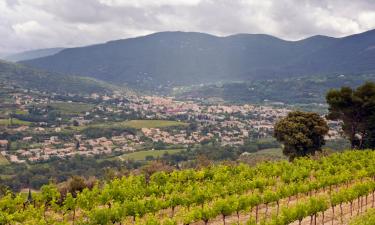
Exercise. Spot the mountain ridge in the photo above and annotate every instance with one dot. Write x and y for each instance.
(32, 54)
(182, 58)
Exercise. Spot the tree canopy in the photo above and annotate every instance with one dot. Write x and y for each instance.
(302, 133)
(356, 109)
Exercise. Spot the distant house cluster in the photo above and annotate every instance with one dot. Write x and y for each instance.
(227, 124)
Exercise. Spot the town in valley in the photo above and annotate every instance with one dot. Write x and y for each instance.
(41, 126)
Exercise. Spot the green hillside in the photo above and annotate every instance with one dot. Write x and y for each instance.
(29, 78)
(304, 90)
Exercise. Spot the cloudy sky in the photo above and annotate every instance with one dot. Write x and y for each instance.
(33, 24)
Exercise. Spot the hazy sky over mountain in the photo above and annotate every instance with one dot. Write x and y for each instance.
(32, 24)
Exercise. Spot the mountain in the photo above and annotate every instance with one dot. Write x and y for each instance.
(355, 53)
(184, 58)
(33, 54)
(28, 78)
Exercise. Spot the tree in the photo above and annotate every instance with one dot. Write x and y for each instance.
(356, 110)
(75, 123)
(302, 133)
(76, 184)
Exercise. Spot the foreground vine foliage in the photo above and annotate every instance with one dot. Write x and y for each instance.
(269, 193)
(367, 219)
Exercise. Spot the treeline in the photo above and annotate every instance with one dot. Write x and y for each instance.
(18, 176)
(303, 133)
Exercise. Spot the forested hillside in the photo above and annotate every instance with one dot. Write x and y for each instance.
(332, 189)
(29, 78)
(177, 58)
(291, 90)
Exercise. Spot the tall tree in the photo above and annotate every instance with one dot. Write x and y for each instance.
(356, 109)
(302, 133)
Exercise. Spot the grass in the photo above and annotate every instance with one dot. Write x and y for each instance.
(6, 122)
(152, 123)
(265, 155)
(136, 124)
(71, 107)
(3, 160)
(270, 151)
(21, 112)
(141, 155)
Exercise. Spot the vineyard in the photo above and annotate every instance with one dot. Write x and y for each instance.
(337, 189)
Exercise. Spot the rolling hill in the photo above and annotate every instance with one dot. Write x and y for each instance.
(168, 59)
(29, 78)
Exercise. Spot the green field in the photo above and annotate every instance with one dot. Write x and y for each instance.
(6, 122)
(71, 107)
(141, 155)
(265, 155)
(152, 123)
(3, 160)
(136, 124)
(270, 151)
(21, 112)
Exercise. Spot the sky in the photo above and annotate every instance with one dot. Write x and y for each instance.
(34, 24)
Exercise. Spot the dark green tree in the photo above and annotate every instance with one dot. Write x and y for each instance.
(356, 109)
(76, 184)
(302, 133)
(75, 123)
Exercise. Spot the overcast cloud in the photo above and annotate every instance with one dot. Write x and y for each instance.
(33, 24)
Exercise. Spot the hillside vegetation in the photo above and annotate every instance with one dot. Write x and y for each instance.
(291, 90)
(330, 189)
(168, 59)
(29, 78)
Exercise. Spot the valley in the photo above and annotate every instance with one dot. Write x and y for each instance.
(152, 127)
(40, 128)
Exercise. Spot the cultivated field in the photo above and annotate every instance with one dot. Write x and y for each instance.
(136, 124)
(71, 107)
(270, 151)
(330, 190)
(7, 122)
(152, 123)
(141, 155)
